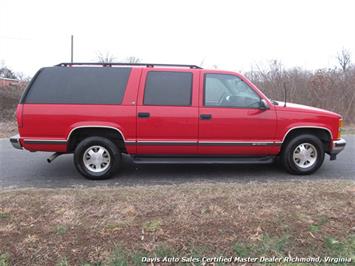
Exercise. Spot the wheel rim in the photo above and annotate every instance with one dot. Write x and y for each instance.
(305, 155)
(96, 159)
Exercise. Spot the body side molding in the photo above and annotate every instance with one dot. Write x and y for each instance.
(64, 141)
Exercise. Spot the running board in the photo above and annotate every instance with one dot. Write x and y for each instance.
(202, 160)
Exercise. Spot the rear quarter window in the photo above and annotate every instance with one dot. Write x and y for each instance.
(79, 85)
(168, 88)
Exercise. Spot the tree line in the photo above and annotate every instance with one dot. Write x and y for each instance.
(332, 88)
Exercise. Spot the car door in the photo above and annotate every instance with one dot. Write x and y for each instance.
(230, 118)
(167, 112)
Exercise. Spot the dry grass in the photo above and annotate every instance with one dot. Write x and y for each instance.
(47, 226)
(9, 97)
(348, 129)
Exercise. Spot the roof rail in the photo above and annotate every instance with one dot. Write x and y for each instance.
(127, 64)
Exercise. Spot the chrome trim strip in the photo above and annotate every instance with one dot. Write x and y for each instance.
(51, 141)
(331, 135)
(166, 143)
(130, 142)
(44, 141)
(169, 143)
(240, 143)
(206, 143)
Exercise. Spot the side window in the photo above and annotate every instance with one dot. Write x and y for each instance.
(168, 88)
(229, 91)
(79, 85)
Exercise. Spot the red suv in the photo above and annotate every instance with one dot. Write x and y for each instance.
(161, 113)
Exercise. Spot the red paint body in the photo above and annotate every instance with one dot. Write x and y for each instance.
(173, 123)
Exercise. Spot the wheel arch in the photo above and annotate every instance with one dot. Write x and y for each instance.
(323, 133)
(78, 133)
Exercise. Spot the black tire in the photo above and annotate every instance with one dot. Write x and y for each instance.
(290, 164)
(107, 146)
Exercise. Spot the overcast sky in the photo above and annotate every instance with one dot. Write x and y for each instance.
(234, 35)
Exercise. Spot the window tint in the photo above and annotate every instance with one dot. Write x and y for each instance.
(79, 85)
(229, 91)
(168, 88)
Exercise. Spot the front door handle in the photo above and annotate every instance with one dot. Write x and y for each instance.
(143, 115)
(205, 116)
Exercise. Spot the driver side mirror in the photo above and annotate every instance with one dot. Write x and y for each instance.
(263, 105)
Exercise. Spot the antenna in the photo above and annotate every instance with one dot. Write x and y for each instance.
(71, 48)
(285, 93)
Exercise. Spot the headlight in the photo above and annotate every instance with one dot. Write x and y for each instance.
(341, 123)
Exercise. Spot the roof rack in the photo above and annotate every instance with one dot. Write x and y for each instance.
(127, 64)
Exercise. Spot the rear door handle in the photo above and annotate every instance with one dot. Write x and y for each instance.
(143, 115)
(205, 116)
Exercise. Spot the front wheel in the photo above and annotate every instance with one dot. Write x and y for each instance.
(97, 158)
(303, 155)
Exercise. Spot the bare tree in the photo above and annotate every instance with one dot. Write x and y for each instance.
(105, 57)
(344, 59)
(202, 61)
(331, 89)
(133, 59)
(22, 77)
(5, 72)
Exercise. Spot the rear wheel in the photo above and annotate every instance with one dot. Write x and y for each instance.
(303, 154)
(97, 158)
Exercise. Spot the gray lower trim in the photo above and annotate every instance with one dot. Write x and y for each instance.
(163, 159)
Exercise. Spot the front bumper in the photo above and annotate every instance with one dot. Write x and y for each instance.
(337, 146)
(15, 141)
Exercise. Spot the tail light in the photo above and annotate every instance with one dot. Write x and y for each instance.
(19, 112)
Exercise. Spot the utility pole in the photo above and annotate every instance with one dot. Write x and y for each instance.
(72, 49)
